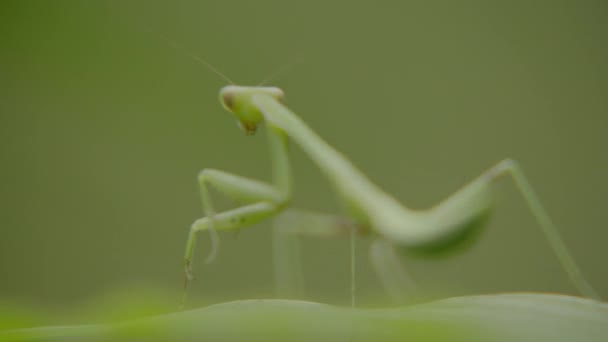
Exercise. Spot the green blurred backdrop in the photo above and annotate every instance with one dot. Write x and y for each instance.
(103, 128)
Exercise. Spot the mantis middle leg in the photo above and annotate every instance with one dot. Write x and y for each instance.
(293, 223)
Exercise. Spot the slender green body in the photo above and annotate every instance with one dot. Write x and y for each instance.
(369, 208)
(367, 202)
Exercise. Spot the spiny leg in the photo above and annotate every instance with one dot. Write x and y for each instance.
(228, 220)
(238, 188)
(235, 187)
(268, 199)
(293, 223)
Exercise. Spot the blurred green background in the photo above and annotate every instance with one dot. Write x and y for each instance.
(103, 128)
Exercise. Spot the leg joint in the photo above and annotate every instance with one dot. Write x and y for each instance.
(506, 165)
(205, 173)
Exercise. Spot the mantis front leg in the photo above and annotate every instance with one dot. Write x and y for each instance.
(262, 200)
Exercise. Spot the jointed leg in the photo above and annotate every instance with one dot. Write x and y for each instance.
(288, 226)
(288, 271)
(511, 167)
(391, 272)
(315, 224)
(267, 200)
(228, 220)
(236, 187)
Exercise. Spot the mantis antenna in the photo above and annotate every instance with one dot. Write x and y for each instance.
(190, 54)
(273, 75)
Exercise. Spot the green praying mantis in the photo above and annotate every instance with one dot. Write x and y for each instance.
(370, 211)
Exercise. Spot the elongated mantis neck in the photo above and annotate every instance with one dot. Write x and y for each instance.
(279, 154)
(333, 163)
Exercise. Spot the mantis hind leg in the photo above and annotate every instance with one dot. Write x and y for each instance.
(547, 226)
(462, 211)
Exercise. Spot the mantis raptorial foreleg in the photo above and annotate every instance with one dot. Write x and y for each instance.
(225, 221)
(236, 187)
(264, 200)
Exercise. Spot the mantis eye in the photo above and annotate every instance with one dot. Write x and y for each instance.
(227, 97)
(248, 128)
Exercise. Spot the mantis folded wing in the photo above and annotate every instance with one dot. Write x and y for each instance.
(370, 210)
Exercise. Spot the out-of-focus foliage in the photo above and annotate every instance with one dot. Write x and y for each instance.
(512, 317)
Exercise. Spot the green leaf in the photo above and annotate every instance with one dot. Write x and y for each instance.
(506, 317)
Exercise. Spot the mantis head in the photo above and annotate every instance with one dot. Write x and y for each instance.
(239, 100)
